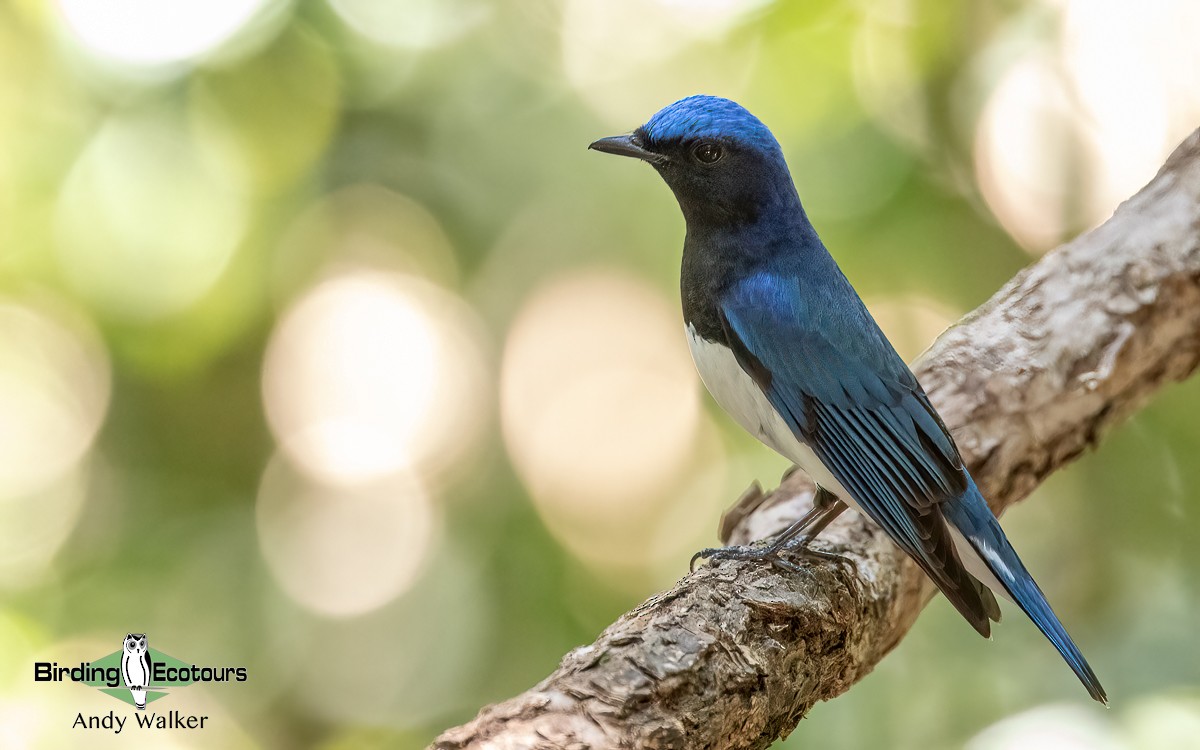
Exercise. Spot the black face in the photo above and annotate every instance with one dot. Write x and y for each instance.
(697, 155)
(719, 179)
(715, 179)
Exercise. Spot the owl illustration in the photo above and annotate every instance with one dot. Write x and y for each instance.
(135, 667)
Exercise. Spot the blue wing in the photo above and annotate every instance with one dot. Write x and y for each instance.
(831, 374)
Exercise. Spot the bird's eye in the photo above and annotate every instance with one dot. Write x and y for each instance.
(707, 152)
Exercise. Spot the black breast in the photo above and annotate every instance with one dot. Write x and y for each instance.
(703, 279)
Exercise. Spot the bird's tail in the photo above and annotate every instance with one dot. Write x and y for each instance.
(970, 515)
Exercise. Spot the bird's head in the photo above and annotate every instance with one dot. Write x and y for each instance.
(721, 162)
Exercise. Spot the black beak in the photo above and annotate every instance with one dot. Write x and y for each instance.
(627, 145)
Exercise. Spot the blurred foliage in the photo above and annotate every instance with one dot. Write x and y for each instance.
(327, 349)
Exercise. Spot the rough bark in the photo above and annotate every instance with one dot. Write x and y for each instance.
(734, 656)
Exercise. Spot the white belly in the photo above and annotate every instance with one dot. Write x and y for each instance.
(741, 397)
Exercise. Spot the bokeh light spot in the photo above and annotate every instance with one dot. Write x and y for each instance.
(1169, 720)
(600, 410)
(366, 225)
(1064, 727)
(886, 73)
(412, 24)
(608, 46)
(35, 525)
(1140, 98)
(1070, 130)
(268, 120)
(143, 228)
(54, 391)
(371, 373)
(409, 662)
(598, 394)
(1027, 147)
(149, 32)
(342, 552)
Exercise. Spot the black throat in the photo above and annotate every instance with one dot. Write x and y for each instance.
(716, 257)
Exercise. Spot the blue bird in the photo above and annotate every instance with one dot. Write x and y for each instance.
(785, 345)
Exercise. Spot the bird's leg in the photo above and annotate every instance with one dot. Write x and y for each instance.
(826, 507)
(831, 507)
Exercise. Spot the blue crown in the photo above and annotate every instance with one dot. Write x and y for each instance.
(702, 116)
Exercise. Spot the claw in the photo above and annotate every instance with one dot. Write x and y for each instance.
(791, 567)
(771, 554)
(834, 558)
(800, 547)
(826, 507)
(727, 553)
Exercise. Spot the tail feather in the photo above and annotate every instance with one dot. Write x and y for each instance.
(989, 602)
(972, 517)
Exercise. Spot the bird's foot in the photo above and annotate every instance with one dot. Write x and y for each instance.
(800, 547)
(826, 507)
(770, 553)
(732, 552)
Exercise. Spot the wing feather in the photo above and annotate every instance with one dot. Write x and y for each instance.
(822, 362)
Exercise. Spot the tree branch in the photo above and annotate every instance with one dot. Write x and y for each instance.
(734, 656)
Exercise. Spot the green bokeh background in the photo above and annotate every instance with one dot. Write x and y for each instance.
(167, 213)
